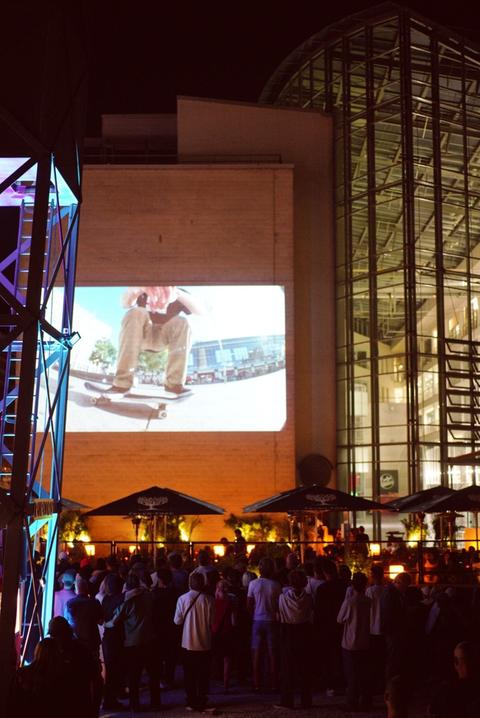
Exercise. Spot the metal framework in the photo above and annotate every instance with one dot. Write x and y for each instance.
(39, 212)
(405, 95)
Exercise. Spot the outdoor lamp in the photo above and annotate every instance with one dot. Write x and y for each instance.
(375, 549)
(394, 570)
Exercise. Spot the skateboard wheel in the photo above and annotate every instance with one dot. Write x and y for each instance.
(162, 414)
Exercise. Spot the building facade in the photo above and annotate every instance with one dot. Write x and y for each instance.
(405, 99)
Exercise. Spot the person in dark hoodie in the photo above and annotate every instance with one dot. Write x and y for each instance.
(112, 643)
(328, 600)
(458, 697)
(136, 615)
(295, 610)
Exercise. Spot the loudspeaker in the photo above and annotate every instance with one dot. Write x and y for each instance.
(314, 469)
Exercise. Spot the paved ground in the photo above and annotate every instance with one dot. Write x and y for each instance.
(242, 703)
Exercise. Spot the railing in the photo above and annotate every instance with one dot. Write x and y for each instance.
(428, 562)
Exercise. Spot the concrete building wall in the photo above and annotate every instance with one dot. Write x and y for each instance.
(305, 139)
(185, 225)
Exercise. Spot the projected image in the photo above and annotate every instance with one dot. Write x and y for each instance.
(196, 358)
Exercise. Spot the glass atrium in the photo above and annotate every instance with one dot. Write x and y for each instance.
(405, 98)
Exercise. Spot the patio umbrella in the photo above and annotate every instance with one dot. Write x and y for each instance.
(466, 499)
(156, 500)
(152, 503)
(420, 500)
(313, 498)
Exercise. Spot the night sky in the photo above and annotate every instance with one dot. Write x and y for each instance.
(142, 55)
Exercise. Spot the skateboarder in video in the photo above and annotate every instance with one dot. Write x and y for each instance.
(155, 320)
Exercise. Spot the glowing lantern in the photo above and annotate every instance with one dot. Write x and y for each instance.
(219, 550)
(375, 549)
(394, 570)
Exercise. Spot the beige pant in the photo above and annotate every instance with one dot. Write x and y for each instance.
(138, 333)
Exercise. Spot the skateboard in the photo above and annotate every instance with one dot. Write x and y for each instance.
(157, 400)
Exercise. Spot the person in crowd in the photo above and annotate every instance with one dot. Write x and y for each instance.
(416, 613)
(78, 680)
(242, 627)
(354, 614)
(240, 544)
(362, 542)
(160, 563)
(459, 697)
(112, 643)
(396, 698)
(223, 629)
(63, 564)
(65, 594)
(292, 561)
(167, 637)
(328, 633)
(444, 628)
(136, 616)
(345, 575)
(241, 565)
(377, 641)
(431, 567)
(85, 568)
(194, 612)
(35, 684)
(295, 609)
(393, 613)
(98, 574)
(140, 570)
(315, 580)
(84, 615)
(204, 564)
(179, 574)
(280, 571)
(262, 603)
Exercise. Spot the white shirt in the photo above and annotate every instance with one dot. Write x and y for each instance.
(197, 626)
(294, 608)
(61, 598)
(355, 616)
(265, 593)
(313, 584)
(374, 593)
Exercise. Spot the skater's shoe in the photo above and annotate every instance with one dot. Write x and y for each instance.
(177, 389)
(116, 390)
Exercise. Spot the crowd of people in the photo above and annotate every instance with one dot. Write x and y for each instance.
(294, 627)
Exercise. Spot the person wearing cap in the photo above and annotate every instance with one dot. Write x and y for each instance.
(61, 598)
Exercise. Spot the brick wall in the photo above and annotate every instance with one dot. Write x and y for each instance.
(185, 225)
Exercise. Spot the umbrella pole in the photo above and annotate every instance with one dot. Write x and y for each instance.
(155, 519)
(302, 535)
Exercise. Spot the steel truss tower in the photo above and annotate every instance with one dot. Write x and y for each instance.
(40, 138)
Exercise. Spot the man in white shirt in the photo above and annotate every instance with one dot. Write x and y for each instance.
(355, 616)
(262, 602)
(62, 597)
(295, 608)
(195, 612)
